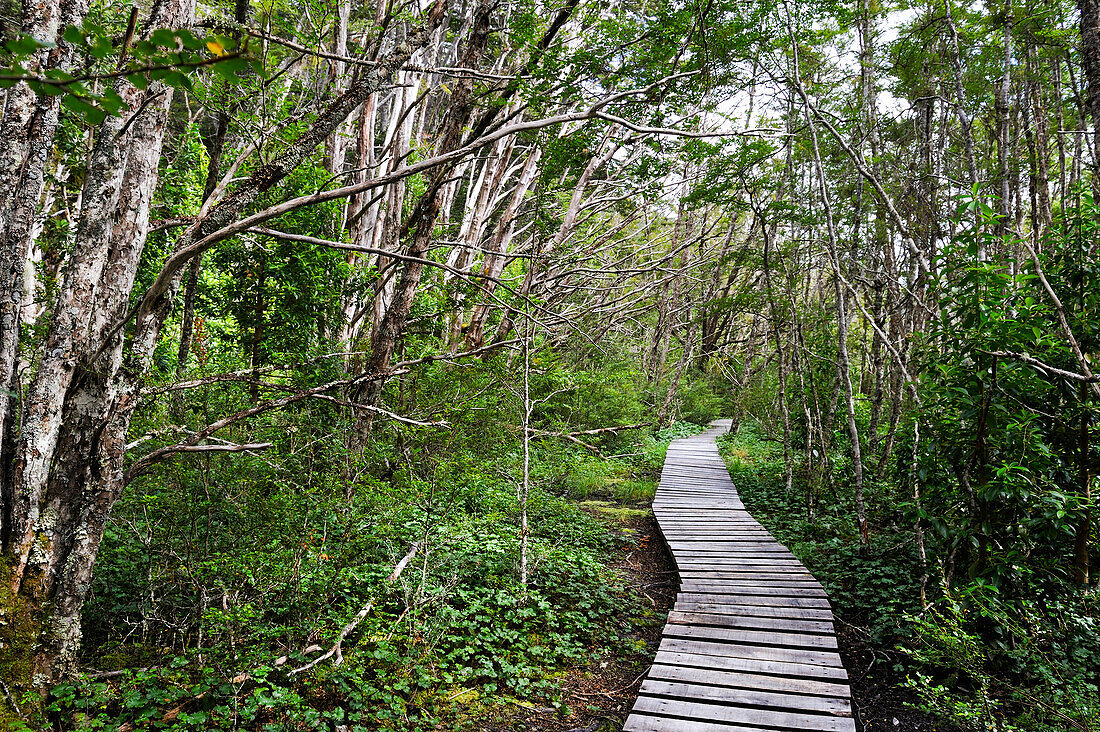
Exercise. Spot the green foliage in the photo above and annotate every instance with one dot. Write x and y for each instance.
(875, 588)
(216, 576)
(1034, 663)
(1006, 441)
(166, 56)
(702, 400)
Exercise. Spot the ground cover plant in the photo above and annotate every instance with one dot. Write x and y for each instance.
(969, 653)
(208, 603)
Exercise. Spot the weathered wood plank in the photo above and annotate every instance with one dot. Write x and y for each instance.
(768, 622)
(744, 715)
(786, 669)
(832, 706)
(727, 587)
(741, 680)
(764, 655)
(645, 723)
(727, 606)
(749, 645)
(777, 579)
(755, 637)
(747, 599)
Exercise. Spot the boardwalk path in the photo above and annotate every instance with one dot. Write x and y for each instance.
(749, 645)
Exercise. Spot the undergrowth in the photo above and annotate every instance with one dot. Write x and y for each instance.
(218, 581)
(981, 657)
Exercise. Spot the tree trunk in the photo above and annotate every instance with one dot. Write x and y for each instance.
(496, 254)
(1084, 476)
(69, 458)
(1090, 60)
(569, 222)
(844, 364)
(27, 129)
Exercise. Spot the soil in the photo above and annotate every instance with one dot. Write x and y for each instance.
(879, 701)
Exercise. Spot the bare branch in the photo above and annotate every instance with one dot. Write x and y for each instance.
(1032, 361)
(338, 647)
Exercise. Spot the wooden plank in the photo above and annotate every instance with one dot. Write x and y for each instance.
(795, 579)
(727, 587)
(792, 582)
(763, 655)
(731, 542)
(739, 543)
(749, 556)
(646, 723)
(685, 535)
(769, 566)
(756, 637)
(741, 680)
(765, 565)
(684, 617)
(777, 579)
(825, 705)
(744, 715)
(818, 603)
(779, 669)
(725, 606)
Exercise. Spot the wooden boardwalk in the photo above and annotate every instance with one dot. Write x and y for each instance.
(749, 644)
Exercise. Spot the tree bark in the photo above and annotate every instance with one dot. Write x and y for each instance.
(844, 362)
(1089, 11)
(496, 253)
(66, 463)
(27, 127)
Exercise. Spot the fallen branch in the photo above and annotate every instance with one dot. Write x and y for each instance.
(220, 448)
(616, 430)
(599, 431)
(338, 647)
(100, 675)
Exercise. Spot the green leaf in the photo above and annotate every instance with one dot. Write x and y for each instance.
(100, 47)
(237, 63)
(190, 40)
(112, 102)
(24, 45)
(50, 90)
(164, 38)
(230, 67)
(58, 75)
(90, 114)
(178, 80)
(74, 35)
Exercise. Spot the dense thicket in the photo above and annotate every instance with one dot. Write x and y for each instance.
(303, 299)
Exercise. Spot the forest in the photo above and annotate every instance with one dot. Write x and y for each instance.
(341, 344)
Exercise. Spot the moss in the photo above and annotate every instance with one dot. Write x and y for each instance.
(621, 513)
(19, 630)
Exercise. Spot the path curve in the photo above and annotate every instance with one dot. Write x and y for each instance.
(749, 645)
